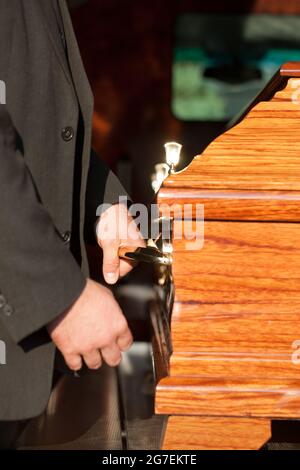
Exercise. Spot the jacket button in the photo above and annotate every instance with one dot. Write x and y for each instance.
(2, 301)
(67, 133)
(66, 236)
(8, 310)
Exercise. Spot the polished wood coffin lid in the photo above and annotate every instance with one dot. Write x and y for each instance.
(252, 171)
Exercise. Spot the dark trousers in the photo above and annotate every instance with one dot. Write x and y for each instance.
(9, 433)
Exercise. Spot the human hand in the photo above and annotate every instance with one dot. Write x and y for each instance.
(117, 228)
(93, 329)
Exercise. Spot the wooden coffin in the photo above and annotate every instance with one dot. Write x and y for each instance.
(235, 325)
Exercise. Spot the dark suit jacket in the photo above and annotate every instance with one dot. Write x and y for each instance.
(45, 152)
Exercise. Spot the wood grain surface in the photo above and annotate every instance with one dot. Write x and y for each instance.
(208, 396)
(245, 205)
(235, 323)
(259, 153)
(189, 433)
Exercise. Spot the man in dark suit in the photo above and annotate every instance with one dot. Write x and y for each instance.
(46, 164)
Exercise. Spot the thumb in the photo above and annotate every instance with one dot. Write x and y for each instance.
(111, 262)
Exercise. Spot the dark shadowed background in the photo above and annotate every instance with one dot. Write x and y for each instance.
(128, 48)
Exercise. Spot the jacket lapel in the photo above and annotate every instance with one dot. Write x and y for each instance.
(50, 21)
(78, 74)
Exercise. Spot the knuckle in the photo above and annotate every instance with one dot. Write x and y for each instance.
(122, 326)
(86, 351)
(108, 240)
(125, 347)
(74, 364)
(115, 361)
(67, 351)
(108, 339)
(112, 263)
(104, 241)
(96, 365)
(127, 344)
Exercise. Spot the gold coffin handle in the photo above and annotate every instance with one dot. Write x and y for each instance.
(148, 255)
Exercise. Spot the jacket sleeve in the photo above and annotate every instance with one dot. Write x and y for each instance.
(39, 278)
(103, 187)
